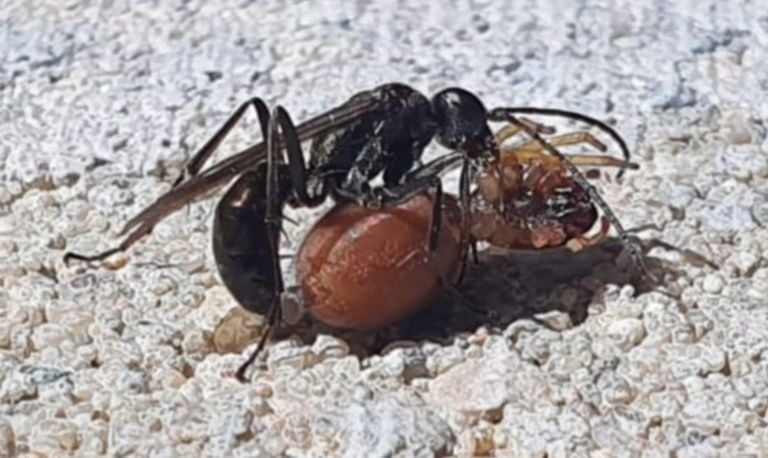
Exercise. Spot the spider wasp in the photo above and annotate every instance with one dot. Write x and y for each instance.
(378, 132)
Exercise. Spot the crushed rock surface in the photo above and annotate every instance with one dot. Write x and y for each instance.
(102, 102)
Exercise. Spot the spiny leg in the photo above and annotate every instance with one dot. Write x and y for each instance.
(409, 189)
(468, 243)
(132, 238)
(569, 139)
(280, 132)
(193, 166)
(511, 130)
(531, 151)
(222, 172)
(465, 200)
(425, 178)
(273, 317)
(273, 225)
(529, 154)
(511, 111)
(503, 114)
(297, 167)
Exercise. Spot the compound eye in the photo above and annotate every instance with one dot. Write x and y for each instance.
(462, 120)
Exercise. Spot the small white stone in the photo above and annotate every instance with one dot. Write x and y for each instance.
(555, 319)
(627, 332)
(7, 247)
(616, 389)
(50, 335)
(54, 436)
(713, 283)
(443, 360)
(287, 355)
(329, 347)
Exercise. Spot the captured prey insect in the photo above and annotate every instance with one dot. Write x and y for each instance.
(362, 268)
(529, 200)
(380, 132)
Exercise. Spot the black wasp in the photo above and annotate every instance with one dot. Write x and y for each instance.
(380, 132)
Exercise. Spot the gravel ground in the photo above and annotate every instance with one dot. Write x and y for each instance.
(101, 102)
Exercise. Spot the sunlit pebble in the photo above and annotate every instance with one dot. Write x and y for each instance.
(483, 442)
(167, 378)
(287, 355)
(420, 385)
(8, 247)
(713, 283)
(5, 335)
(50, 335)
(390, 365)
(163, 286)
(196, 341)
(97, 222)
(191, 298)
(13, 272)
(188, 261)
(616, 390)
(31, 264)
(473, 352)
(444, 360)
(263, 389)
(53, 436)
(207, 280)
(556, 319)
(479, 336)
(21, 343)
(348, 367)
(329, 347)
(237, 330)
(94, 441)
(116, 262)
(627, 332)
(5, 196)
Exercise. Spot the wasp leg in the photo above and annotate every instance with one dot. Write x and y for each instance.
(245, 246)
(190, 169)
(280, 181)
(250, 266)
(424, 178)
(465, 199)
(428, 177)
(193, 166)
(222, 172)
(297, 166)
(214, 177)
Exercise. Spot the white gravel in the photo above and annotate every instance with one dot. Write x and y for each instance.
(101, 102)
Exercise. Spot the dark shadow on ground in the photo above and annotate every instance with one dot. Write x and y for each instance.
(511, 285)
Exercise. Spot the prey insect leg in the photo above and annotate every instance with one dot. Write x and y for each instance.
(503, 114)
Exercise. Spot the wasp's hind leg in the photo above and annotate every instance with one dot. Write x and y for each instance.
(190, 169)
